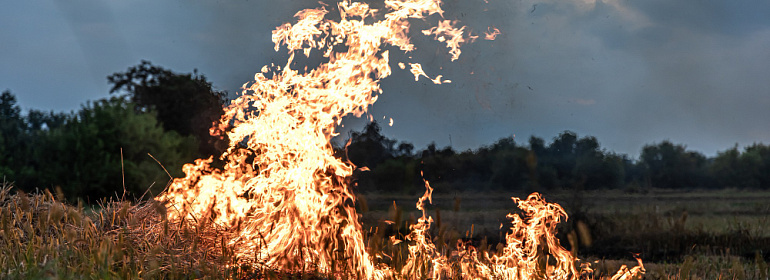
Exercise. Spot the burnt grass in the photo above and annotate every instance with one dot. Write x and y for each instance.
(673, 246)
(662, 227)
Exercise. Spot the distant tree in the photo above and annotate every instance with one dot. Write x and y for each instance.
(9, 110)
(38, 120)
(756, 159)
(543, 174)
(562, 152)
(537, 145)
(573, 162)
(595, 168)
(727, 169)
(12, 137)
(671, 166)
(749, 169)
(369, 147)
(508, 165)
(405, 149)
(185, 103)
(392, 166)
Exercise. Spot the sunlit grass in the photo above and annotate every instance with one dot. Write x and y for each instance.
(43, 238)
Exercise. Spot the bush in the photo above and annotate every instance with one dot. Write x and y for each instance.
(105, 145)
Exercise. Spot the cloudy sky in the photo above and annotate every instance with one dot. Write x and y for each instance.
(629, 72)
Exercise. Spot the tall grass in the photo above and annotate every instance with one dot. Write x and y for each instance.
(43, 238)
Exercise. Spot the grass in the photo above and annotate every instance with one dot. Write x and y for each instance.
(43, 238)
(702, 235)
(714, 234)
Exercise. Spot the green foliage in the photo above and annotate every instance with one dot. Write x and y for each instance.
(185, 103)
(11, 133)
(104, 148)
(747, 169)
(568, 162)
(90, 154)
(86, 152)
(672, 166)
(572, 162)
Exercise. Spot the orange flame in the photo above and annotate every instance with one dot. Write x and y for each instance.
(532, 240)
(417, 71)
(286, 196)
(491, 33)
(453, 37)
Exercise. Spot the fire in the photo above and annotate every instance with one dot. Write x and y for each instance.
(417, 71)
(532, 240)
(491, 33)
(285, 196)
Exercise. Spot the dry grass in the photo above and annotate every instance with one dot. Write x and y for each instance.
(43, 238)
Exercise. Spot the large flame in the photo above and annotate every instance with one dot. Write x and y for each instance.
(285, 194)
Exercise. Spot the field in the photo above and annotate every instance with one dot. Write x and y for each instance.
(716, 212)
(706, 234)
(680, 235)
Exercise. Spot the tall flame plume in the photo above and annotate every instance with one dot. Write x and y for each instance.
(284, 194)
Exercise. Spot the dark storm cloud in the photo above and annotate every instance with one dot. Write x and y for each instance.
(628, 72)
(703, 70)
(732, 18)
(658, 70)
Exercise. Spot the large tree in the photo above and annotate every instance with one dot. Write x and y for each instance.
(184, 102)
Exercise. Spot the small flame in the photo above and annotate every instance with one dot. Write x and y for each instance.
(446, 32)
(491, 33)
(417, 71)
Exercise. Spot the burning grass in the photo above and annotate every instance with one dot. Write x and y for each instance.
(703, 234)
(42, 237)
(281, 206)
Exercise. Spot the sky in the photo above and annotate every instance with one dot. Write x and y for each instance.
(630, 73)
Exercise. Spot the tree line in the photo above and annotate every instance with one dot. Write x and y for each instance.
(131, 143)
(156, 120)
(566, 162)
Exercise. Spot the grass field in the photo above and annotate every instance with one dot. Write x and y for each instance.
(680, 235)
(703, 234)
(712, 211)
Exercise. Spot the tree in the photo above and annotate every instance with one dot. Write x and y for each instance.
(392, 167)
(103, 146)
(563, 156)
(671, 166)
(595, 168)
(727, 169)
(749, 169)
(12, 141)
(185, 103)
(756, 161)
(38, 120)
(369, 147)
(508, 165)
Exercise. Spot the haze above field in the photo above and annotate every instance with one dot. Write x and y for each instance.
(628, 72)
